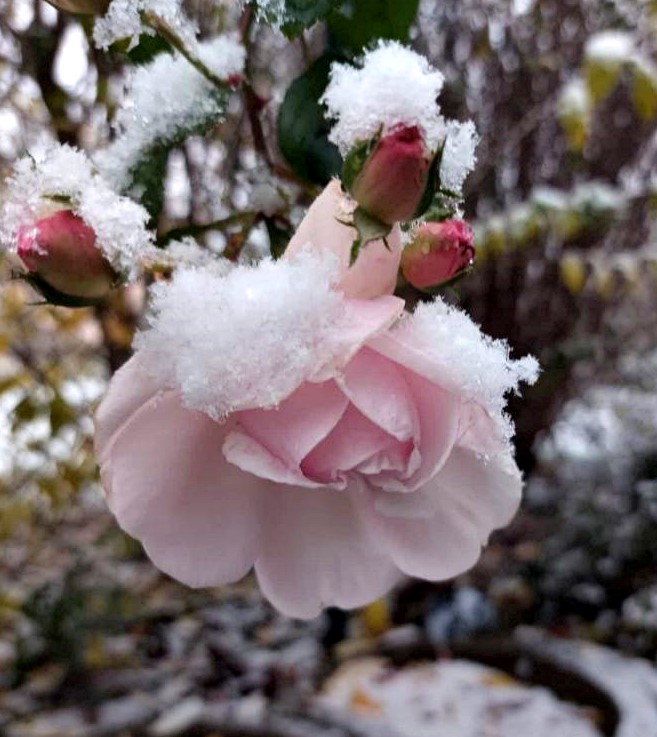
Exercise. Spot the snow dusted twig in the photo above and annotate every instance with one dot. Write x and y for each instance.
(168, 33)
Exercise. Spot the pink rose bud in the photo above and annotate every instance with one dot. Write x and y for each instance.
(439, 253)
(392, 182)
(60, 251)
(86, 7)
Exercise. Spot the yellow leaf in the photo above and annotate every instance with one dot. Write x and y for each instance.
(376, 618)
(573, 272)
(644, 90)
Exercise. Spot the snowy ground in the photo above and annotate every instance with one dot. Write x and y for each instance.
(451, 699)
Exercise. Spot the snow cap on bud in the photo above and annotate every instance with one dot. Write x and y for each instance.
(439, 252)
(391, 181)
(63, 260)
(86, 7)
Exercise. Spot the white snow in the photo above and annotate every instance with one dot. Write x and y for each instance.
(453, 352)
(393, 85)
(123, 20)
(575, 98)
(459, 157)
(247, 339)
(164, 97)
(451, 699)
(630, 682)
(611, 47)
(188, 253)
(39, 183)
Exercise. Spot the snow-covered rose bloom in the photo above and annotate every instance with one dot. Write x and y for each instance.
(291, 418)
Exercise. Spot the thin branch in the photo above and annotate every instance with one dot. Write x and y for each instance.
(246, 219)
(163, 29)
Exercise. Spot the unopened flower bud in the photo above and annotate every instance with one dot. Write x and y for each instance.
(86, 7)
(438, 253)
(60, 252)
(392, 181)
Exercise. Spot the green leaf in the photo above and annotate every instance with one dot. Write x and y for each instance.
(148, 176)
(293, 16)
(433, 183)
(303, 128)
(279, 236)
(301, 14)
(359, 22)
(147, 48)
(355, 161)
(146, 179)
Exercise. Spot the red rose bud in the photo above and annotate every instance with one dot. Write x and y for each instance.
(60, 251)
(86, 7)
(392, 182)
(438, 253)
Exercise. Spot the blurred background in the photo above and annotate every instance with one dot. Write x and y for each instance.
(564, 204)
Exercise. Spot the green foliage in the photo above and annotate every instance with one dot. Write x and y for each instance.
(279, 236)
(147, 48)
(360, 22)
(147, 177)
(353, 24)
(303, 128)
(64, 615)
(355, 161)
(301, 14)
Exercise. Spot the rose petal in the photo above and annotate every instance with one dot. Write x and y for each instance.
(353, 441)
(130, 388)
(378, 388)
(438, 532)
(364, 319)
(291, 430)
(315, 552)
(272, 443)
(170, 487)
(375, 271)
(438, 413)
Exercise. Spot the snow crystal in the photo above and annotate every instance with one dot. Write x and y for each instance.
(247, 339)
(63, 177)
(393, 86)
(459, 157)
(611, 47)
(124, 20)
(451, 698)
(165, 97)
(444, 344)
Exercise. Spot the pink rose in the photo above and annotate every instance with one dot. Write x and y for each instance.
(308, 432)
